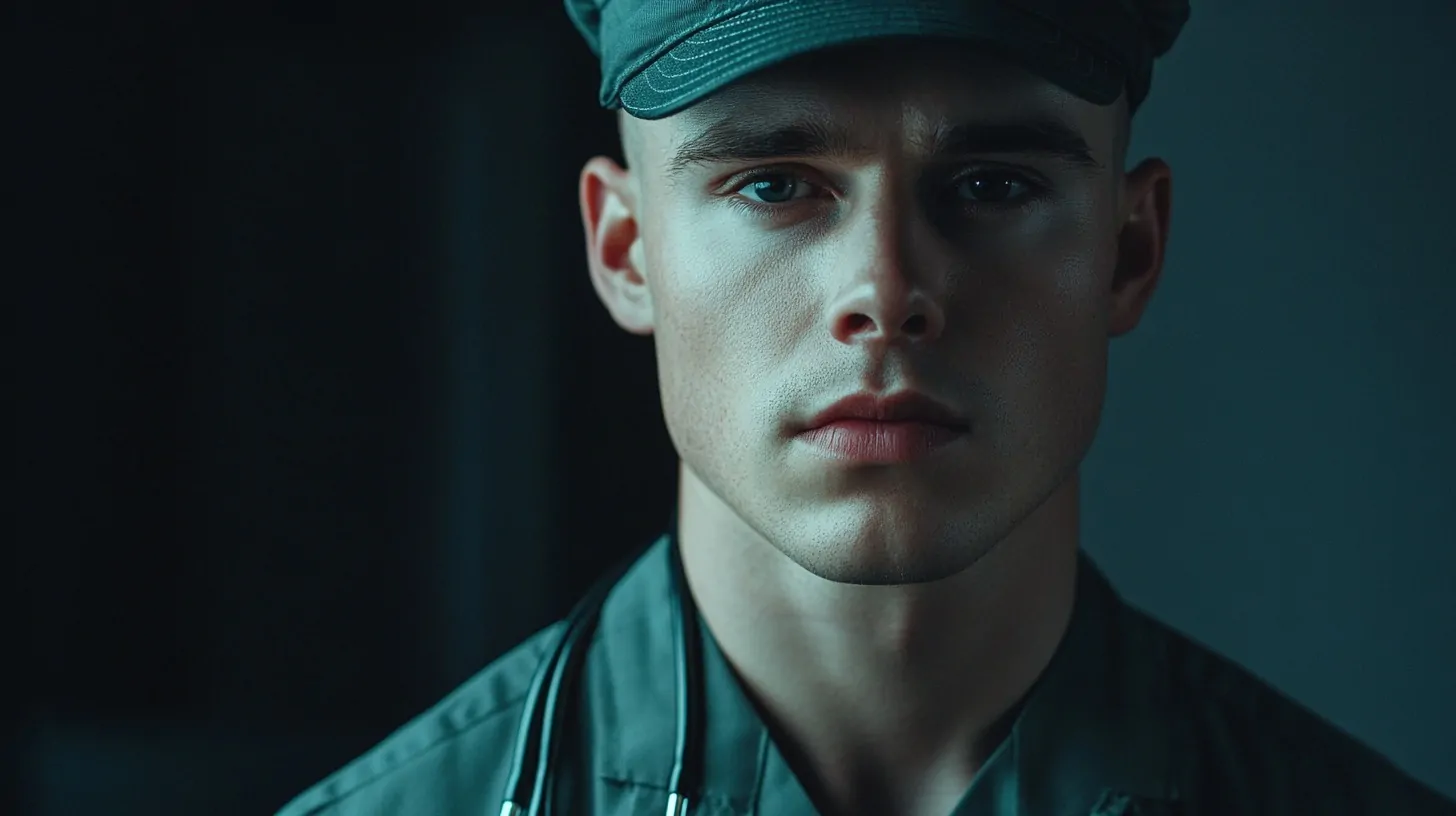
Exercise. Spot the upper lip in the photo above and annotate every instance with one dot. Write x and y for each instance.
(905, 406)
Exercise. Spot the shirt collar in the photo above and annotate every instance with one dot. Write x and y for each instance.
(632, 697)
(1092, 738)
(1094, 734)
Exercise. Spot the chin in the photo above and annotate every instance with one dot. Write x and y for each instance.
(875, 543)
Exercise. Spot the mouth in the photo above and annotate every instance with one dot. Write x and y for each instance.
(865, 429)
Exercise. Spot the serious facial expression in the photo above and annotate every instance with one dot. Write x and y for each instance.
(896, 222)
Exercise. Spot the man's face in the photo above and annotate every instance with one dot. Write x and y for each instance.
(879, 220)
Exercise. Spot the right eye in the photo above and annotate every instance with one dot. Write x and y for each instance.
(773, 188)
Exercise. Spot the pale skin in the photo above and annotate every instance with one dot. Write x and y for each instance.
(885, 619)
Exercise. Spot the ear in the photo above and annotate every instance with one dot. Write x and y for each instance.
(1147, 197)
(614, 244)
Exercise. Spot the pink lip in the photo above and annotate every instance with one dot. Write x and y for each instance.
(876, 442)
(872, 430)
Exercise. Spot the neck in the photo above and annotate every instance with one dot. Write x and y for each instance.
(883, 697)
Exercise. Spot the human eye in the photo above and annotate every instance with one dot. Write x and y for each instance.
(994, 187)
(771, 189)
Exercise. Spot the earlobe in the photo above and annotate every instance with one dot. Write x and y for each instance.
(613, 244)
(1142, 243)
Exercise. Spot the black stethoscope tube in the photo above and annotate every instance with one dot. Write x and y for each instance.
(687, 763)
(538, 735)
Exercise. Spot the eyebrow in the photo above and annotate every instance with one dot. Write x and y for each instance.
(729, 141)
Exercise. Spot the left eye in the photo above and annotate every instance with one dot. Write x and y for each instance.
(991, 188)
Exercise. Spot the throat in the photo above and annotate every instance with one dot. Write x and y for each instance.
(884, 698)
(869, 780)
(904, 727)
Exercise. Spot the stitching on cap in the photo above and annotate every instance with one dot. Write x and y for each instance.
(646, 60)
(749, 23)
(1077, 58)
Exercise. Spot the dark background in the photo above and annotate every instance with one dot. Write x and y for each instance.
(316, 411)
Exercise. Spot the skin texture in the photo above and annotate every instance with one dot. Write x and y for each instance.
(885, 619)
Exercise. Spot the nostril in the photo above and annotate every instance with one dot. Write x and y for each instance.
(856, 323)
(916, 325)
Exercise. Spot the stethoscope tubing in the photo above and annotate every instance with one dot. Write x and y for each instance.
(538, 735)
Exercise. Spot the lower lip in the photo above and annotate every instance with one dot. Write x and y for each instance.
(880, 443)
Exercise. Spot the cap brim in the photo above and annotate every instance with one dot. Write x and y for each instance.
(766, 34)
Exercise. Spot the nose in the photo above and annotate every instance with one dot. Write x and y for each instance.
(873, 320)
(883, 302)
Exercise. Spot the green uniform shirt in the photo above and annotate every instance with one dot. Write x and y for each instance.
(1129, 718)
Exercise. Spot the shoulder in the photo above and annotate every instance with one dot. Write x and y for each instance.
(1254, 747)
(452, 758)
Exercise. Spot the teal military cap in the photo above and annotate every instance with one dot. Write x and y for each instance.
(660, 56)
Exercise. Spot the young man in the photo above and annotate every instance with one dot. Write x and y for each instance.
(881, 248)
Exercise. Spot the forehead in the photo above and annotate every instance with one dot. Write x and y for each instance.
(903, 91)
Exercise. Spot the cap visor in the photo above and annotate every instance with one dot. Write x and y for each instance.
(765, 35)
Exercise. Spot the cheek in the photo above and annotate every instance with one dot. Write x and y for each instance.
(1040, 317)
(726, 319)
(1052, 277)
